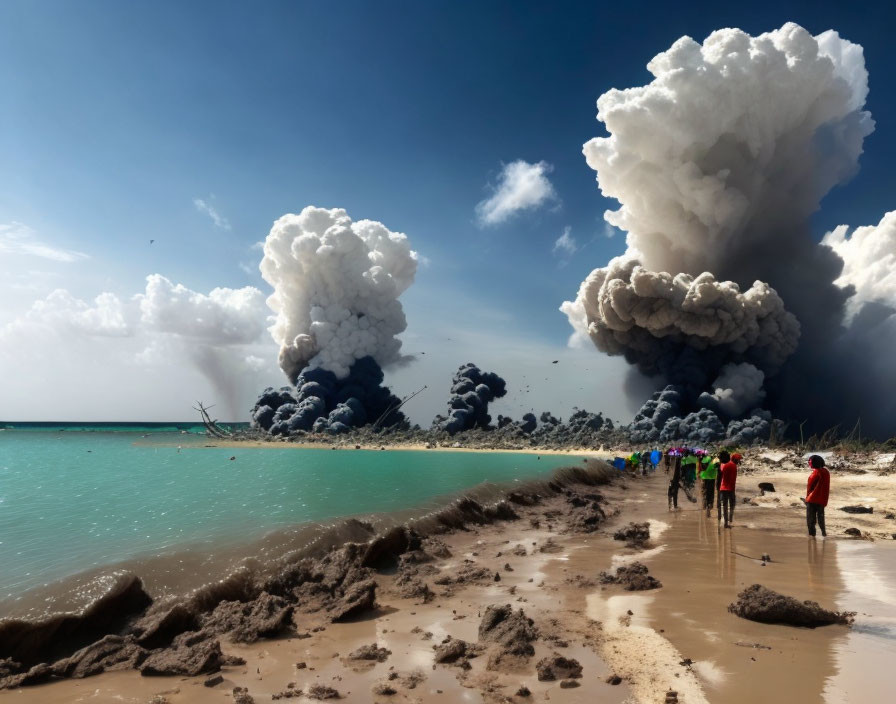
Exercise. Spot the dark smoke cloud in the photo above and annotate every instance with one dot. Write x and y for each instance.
(723, 281)
(471, 392)
(321, 402)
(662, 420)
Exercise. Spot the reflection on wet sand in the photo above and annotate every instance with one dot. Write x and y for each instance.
(865, 657)
(703, 567)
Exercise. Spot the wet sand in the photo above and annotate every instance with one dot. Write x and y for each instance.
(702, 568)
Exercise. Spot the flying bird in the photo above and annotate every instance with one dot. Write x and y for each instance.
(151, 241)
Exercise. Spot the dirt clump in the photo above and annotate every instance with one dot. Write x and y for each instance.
(557, 667)
(110, 653)
(586, 514)
(59, 636)
(161, 625)
(369, 654)
(454, 650)
(241, 696)
(758, 603)
(384, 689)
(322, 691)
(511, 632)
(413, 588)
(633, 577)
(635, 535)
(265, 617)
(190, 654)
(857, 509)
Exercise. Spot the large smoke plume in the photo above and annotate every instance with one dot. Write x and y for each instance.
(718, 164)
(336, 287)
(471, 392)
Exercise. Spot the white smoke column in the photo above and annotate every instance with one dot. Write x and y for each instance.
(738, 389)
(869, 261)
(336, 287)
(732, 139)
(718, 164)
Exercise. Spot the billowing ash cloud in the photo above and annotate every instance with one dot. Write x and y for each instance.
(652, 318)
(471, 392)
(718, 164)
(336, 287)
(321, 402)
(737, 389)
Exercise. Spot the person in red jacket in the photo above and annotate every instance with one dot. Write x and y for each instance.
(728, 472)
(817, 491)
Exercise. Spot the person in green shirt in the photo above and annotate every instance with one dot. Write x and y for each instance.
(709, 471)
(689, 469)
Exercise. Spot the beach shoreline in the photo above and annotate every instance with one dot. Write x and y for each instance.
(568, 605)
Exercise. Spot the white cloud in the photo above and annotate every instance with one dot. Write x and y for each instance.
(225, 316)
(79, 345)
(521, 186)
(869, 261)
(565, 245)
(609, 231)
(17, 238)
(204, 206)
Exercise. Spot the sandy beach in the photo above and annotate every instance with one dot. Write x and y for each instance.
(631, 646)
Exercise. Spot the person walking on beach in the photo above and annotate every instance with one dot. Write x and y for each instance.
(817, 490)
(708, 475)
(728, 470)
(667, 459)
(675, 482)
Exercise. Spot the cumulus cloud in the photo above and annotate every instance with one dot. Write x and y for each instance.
(107, 316)
(17, 238)
(723, 196)
(521, 186)
(565, 244)
(204, 206)
(336, 287)
(166, 324)
(224, 316)
(869, 261)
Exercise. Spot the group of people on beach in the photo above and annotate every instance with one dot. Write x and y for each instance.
(717, 475)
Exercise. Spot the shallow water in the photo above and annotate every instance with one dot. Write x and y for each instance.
(71, 501)
(864, 657)
(703, 567)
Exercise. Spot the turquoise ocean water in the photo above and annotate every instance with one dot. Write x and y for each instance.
(76, 500)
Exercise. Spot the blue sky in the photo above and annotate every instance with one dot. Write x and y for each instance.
(115, 117)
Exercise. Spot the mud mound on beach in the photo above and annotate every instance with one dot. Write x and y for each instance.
(337, 581)
(635, 535)
(633, 577)
(758, 603)
(511, 632)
